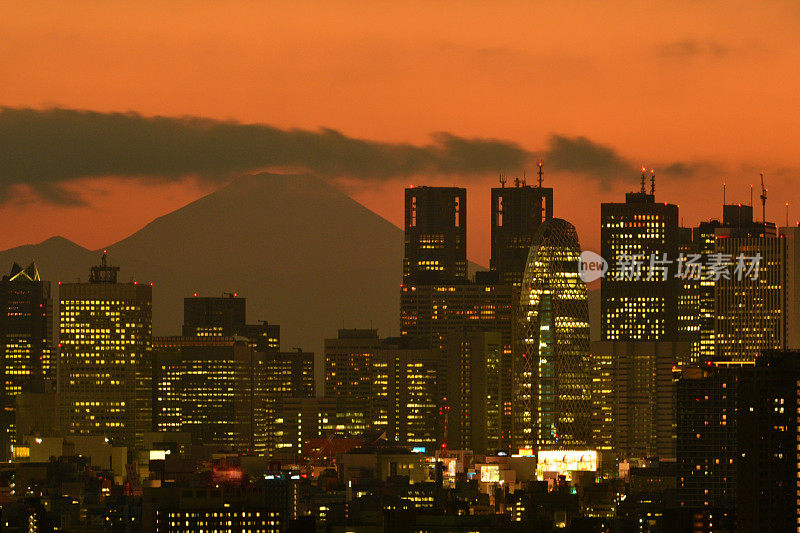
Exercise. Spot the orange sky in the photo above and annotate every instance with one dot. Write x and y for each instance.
(656, 81)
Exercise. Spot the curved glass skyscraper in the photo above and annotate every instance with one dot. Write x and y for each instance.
(552, 372)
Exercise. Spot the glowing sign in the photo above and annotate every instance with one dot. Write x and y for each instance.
(565, 461)
(490, 473)
(418, 449)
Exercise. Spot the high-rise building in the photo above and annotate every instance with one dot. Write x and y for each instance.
(408, 389)
(473, 391)
(647, 325)
(26, 341)
(437, 313)
(303, 419)
(706, 450)
(226, 316)
(214, 388)
(552, 365)
(435, 235)
(633, 400)
(768, 440)
(756, 305)
(517, 212)
(639, 300)
(287, 375)
(105, 340)
(348, 363)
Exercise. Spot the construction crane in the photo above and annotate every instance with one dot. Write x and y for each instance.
(763, 200)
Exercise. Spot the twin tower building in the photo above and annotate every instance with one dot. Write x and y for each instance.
(538, 380)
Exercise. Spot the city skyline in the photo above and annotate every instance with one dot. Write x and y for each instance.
(400, 267)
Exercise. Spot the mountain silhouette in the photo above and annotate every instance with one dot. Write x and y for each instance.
(304, 254)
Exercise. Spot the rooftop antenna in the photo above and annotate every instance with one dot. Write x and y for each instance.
(763, 200)
(787, 214)
(644, 170)
(524, 178)
(502, 181)
(652, 181)
(724, 190)
(541, 164)
(751, 195)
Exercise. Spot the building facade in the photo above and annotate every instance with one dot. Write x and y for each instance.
(473, 391)
(552, 366)
(105, 340)
(435, 235)
(517, 212)
(26, 341)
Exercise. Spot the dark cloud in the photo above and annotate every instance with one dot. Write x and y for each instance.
(48, 149)
(581, 155)
(692, 48)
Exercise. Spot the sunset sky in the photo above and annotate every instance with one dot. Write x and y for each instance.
(702, 91)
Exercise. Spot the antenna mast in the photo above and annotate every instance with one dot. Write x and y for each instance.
(763, 200)
(541, 164)
(643, 178)
(502, 181)
(751, 195)
(653, 181)
(724, 190)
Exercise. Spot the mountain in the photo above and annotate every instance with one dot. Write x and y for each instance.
(304, 254)
(57, 258)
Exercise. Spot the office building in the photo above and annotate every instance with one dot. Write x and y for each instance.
(226, 316)
(301, 420)
(348, 363)
(439, 312)
(768, 440)
(213, 388)
(286, 375)
(435, 235)
(552, 366)
(706, 450)
(647, 326)
(473, 391)
(408, 390)
(26, 341)
(639, 301)
(105, 340)
(638, 385)
(517, 212)
(756, 306)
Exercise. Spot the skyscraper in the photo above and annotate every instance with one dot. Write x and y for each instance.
(105, 339)
(348, 363)
(639, 303)
(517, 212)
(26, 340)
(214, 389)
(706, 449)
(644, 313)
(408, 389)
(435, 235)
(438, 313)
(552, 366)
(287, 376)
(226, 316)
(757, 309)
(768, 440)
(473, 391)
